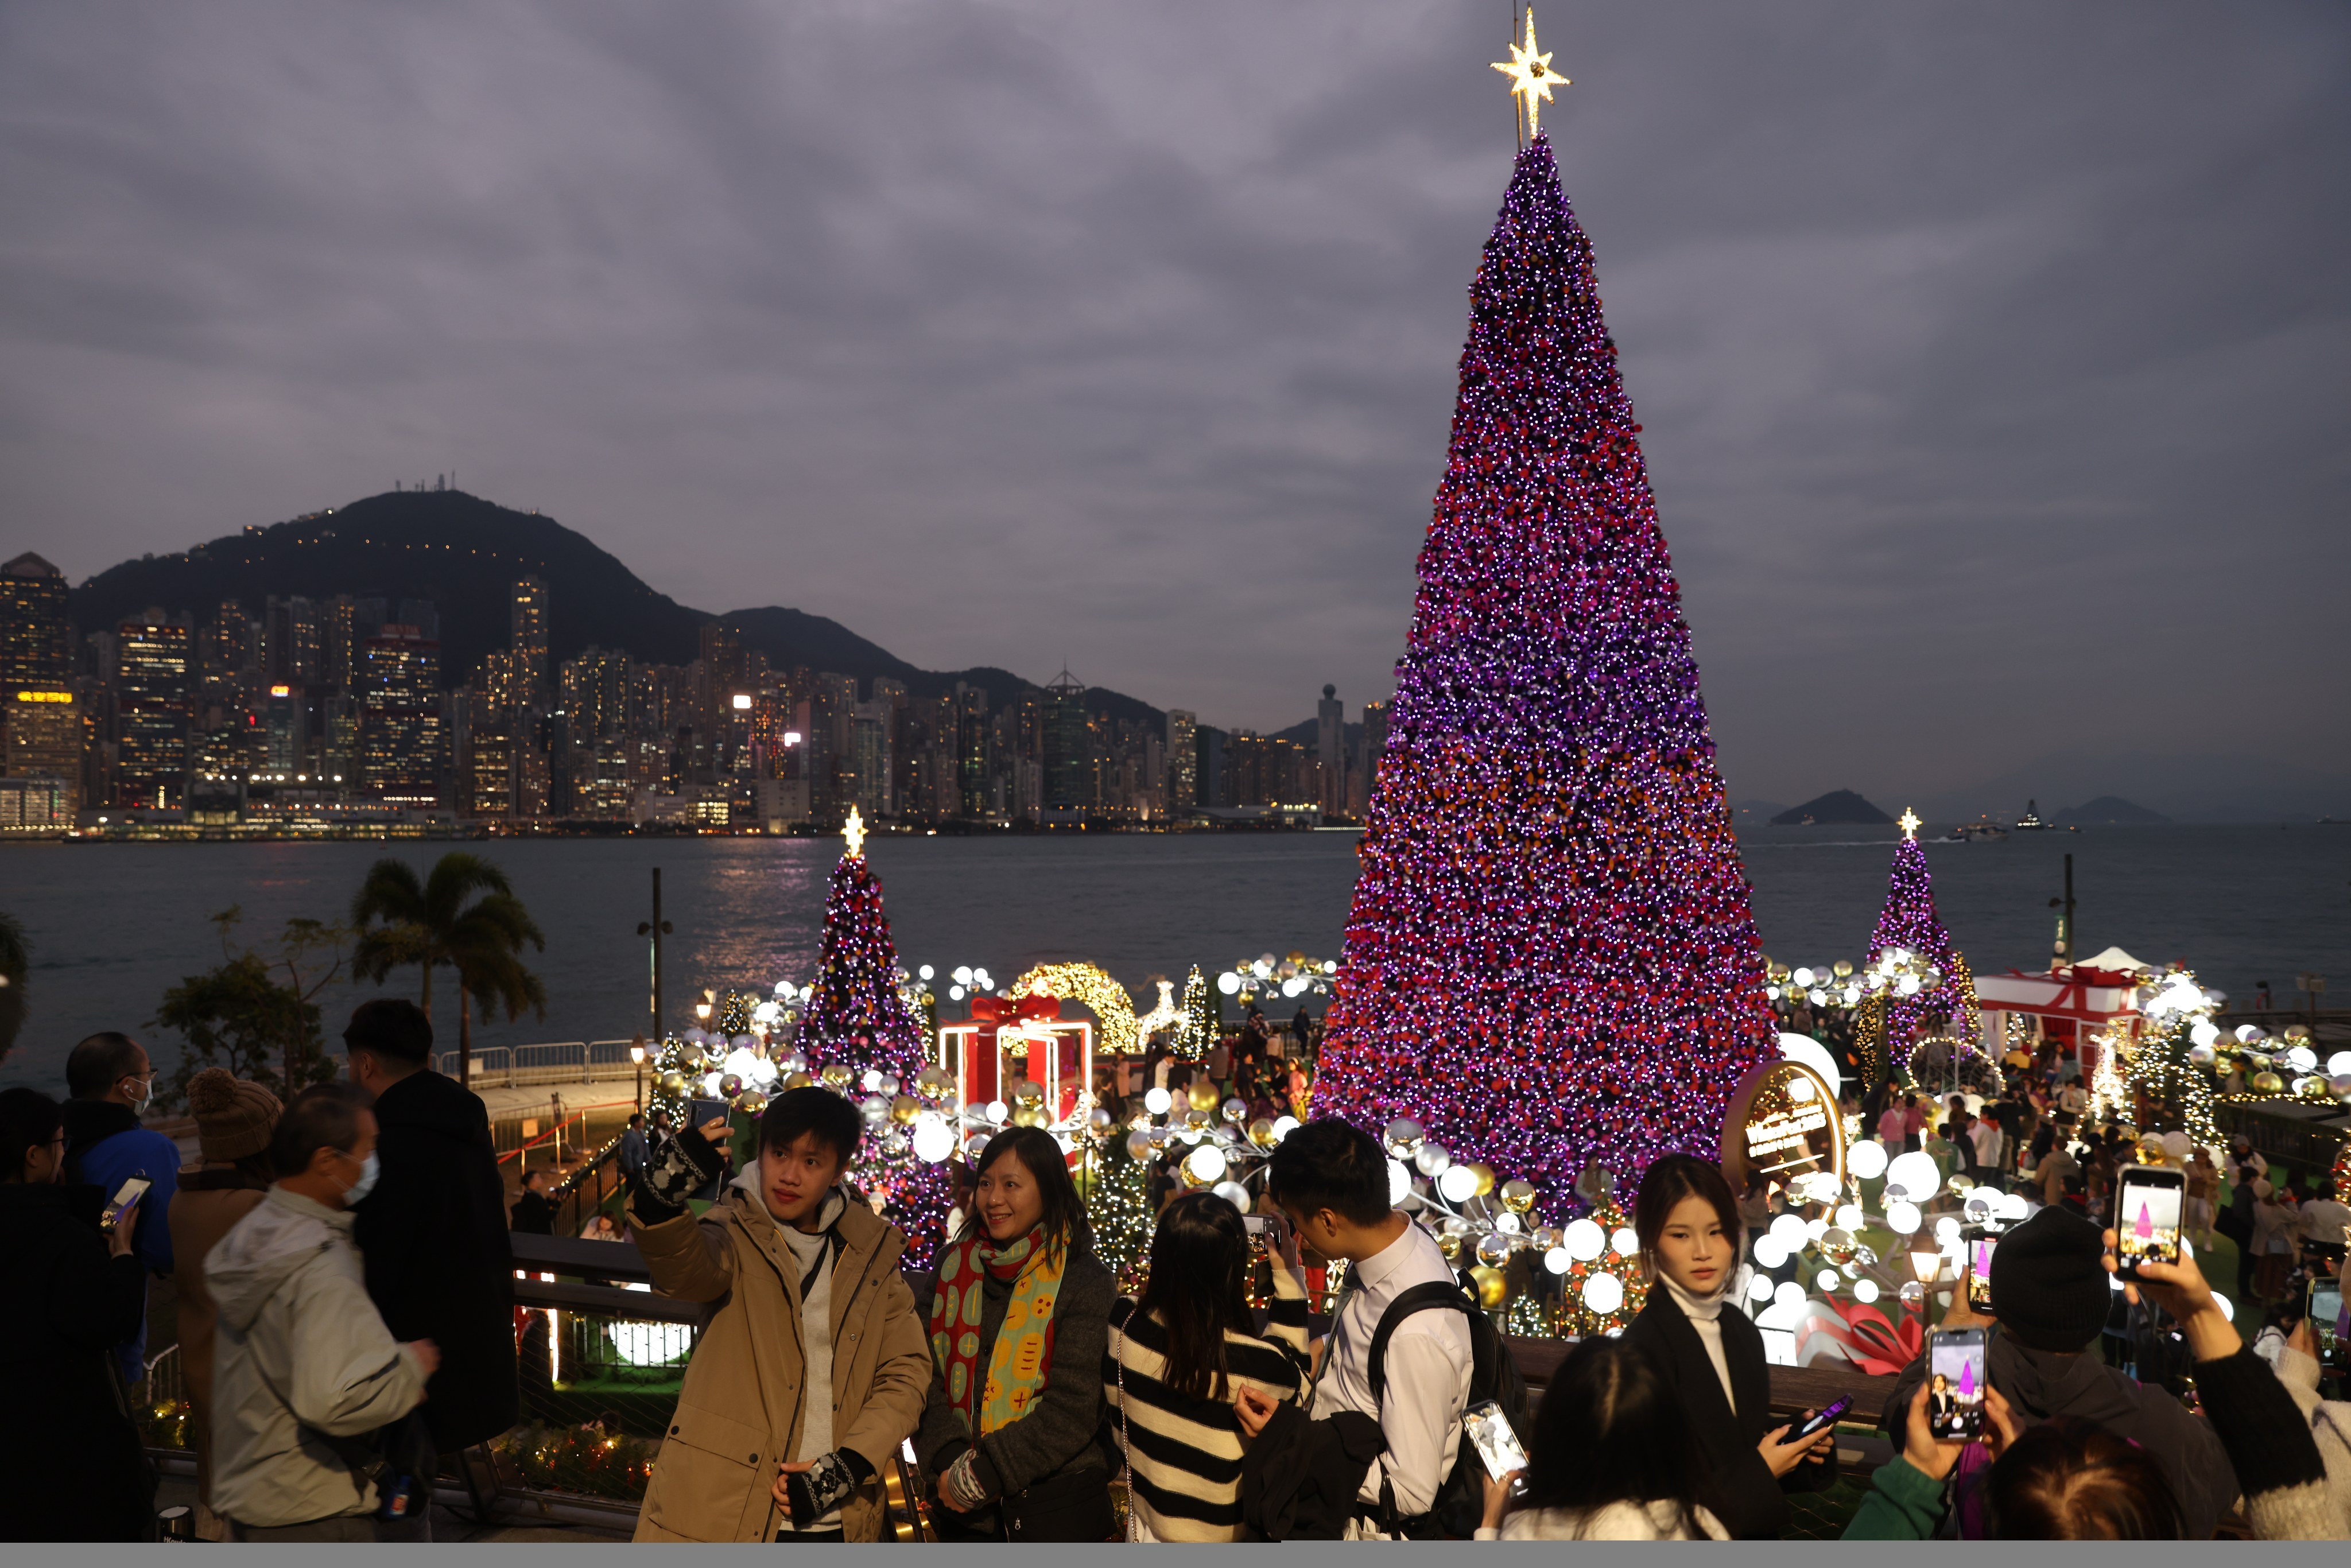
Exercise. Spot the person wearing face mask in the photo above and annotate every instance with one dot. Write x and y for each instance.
(1019, 1319)
(1687, 1222)
(111, 1083)
(303, 1367)
(71, 1463)
(433, 1234)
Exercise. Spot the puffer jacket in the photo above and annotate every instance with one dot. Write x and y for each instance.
(741, 1412)
(301, 1364)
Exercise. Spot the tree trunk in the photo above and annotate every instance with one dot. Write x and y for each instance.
(465, 1036)
(426, 1002)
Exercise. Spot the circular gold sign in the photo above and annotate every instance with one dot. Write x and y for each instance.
(1785, 1123)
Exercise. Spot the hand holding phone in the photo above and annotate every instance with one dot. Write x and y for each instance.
(1496, 1444)
(1821, 1421)
(1955, 1385)
(126, 1198)
(2147, 1217)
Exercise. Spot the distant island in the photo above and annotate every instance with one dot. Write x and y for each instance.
(2109, 811)
(1839, 806)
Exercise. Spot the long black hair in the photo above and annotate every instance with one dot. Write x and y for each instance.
(29, 1120)
(1609, 1429)
(1040, 1155)
(1198, 1288)
(1666, 1184)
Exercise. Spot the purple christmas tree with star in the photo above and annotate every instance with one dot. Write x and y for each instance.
(1550, 962)
(1907, 923)
(860, 1038)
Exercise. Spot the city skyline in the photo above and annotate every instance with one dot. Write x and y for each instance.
(2021, 403)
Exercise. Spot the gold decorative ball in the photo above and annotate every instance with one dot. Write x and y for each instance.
(1029, 1113)
(1518, 1195)
(1197, 1118)
(1836, 1246)
(1030, 1091)
(1204, 1095)
(1450, 1246)
(796, 1081)
(672, 1083)
(752, 1103)
(730, 1086)
(1491, 1286)
(836, 1075)
(1485, 1175)
(1261, 1133)
(904, 1108)
(2268, 1083)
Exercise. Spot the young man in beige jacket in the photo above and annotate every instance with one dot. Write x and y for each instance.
(814, 1366)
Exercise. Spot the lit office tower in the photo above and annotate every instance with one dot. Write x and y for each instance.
(152, 709)
(40, 721)
(1183, 760)
(1069, 791)
(295, 640)
(400, 717)
(1330, 749)
(531, 671)
(971, 748)
(596, 694)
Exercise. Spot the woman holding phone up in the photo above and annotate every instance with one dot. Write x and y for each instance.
(1019, 1318)
(1687, 1222)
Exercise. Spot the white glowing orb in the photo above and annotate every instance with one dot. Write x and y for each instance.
(1557, 1259)
(1283, 1126)
(1866, 1161)
(1625, 1242)
(1603, 1292)
(934, 1139)
(1459, 1184)
(1902, 1218)
(1826, 1281)
(1769, 1252)
(1207, 1164)
(1788, 1230)
(1400, 1183)
(1849, 1216)
(1789, 1295)
(1156, 1102)
(1584, 1240)
(2228, 1308)
(2303, 1058)
(1804, 1047)
(1864, 1290)
(1759, 1289)
(1915, 1175)
(1947, 1230)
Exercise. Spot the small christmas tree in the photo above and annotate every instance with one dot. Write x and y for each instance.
(1197, 1036)
(1552, 961)
(1908, 921)
(1118, 1209)
(859, 1038)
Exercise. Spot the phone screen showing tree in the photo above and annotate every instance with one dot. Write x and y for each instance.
(1955, 1386)
(2146, 1220)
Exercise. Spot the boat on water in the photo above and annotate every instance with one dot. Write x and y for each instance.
(2031, 821)
(1973, 833)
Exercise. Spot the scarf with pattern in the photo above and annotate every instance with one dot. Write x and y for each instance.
(1023, 1352)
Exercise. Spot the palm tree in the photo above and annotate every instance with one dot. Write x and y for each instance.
(429, 923)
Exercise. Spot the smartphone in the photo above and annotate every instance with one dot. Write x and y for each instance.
(1822, 1419)
(2147, 1217)
(1955, 1385)
(1979, 1248)
(2325, 1309)
(1496, 1444)
(132, 1189)
(703, 1111)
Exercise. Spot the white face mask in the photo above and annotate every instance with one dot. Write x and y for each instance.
(143, 1095)
(358, 1189)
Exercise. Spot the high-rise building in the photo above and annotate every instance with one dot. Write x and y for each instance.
(971, 748)
(43, 738)
(1331, 750)
(35, 632)
(870, 747)
(531, 641)
(151, 696)
(228, 649)
(1183, 760)
(596, 694)
(1375, 742)
(1071, 778)
(400, 718)
(295, 638)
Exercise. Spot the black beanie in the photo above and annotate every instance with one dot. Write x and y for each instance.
(2049, 1282)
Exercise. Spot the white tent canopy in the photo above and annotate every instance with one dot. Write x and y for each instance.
(2114, 960)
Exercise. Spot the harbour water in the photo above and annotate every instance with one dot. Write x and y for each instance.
(113, 925)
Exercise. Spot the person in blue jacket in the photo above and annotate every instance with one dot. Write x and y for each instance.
(110, 1080)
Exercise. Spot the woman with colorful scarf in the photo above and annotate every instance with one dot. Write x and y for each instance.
(1018, 1319)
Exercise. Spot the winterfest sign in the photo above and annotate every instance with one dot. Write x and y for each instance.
(1784, 1122)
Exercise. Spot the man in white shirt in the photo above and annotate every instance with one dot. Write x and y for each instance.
(1331, 1181)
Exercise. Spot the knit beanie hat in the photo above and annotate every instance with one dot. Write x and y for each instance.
(234, 1117)
(2049, 1285)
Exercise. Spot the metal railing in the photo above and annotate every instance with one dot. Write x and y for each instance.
(550, 1061)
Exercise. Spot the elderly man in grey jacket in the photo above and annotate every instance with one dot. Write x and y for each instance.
(304, 1369)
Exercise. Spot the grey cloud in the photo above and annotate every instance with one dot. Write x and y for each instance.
(1991, 357)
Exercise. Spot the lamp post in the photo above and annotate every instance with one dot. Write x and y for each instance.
(1926, 1265)
(637, 1056)
(655, 928)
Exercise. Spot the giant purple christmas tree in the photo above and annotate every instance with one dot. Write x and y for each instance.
(1908, 922)
(856, 1020)
(1551, 962)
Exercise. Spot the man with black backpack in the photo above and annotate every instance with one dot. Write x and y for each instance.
(1407, 1345)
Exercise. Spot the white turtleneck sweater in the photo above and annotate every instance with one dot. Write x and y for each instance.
(1705, 1314)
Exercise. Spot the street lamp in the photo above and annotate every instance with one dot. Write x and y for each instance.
(637, 1055)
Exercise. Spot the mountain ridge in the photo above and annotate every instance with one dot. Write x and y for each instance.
(462, 552)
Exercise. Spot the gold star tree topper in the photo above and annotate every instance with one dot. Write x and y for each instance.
(1909, 823)
(854, 831)
(1531, 78)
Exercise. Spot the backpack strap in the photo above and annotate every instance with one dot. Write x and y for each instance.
(1433, 1296)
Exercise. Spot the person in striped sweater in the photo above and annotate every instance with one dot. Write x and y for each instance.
(1177, 1357)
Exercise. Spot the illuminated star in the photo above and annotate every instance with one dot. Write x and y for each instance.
(1909, 823)
(1531, 78)
(854, 831)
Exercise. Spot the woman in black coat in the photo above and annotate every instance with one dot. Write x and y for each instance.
(1690, 1242)
(71, 1464)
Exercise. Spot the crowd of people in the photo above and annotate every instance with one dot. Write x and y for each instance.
(345, 1316)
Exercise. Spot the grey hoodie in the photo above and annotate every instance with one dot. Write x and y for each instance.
(302, 1359)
